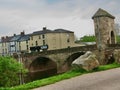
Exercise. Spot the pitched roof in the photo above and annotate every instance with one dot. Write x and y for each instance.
(44, 31)
(62, 31)
(102, 13)
(15, 38)
(24, 38)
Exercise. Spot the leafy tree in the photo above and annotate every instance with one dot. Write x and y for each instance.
(90, 38)
(9, 71)
(118, 39)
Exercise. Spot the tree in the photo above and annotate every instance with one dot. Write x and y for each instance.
(90, 38)
(118, 39)
(9, 71)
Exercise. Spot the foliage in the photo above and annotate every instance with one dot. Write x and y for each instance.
(9, 69)
(60, 77)
(118, 39)
(90, 38)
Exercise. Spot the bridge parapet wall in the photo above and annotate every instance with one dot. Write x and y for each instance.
(64, 50)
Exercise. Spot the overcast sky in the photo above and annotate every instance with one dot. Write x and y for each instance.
(33, 15)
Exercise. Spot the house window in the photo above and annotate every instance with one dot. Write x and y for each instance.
(43, 36)
(43, 42)
(20, 48)
(2, 44)
(26, 41)
(32, 44)
(31, 37)
(68, 35)
(5, 44)
(27, 47)
(68, 40)
(36, 43)
(5, 50)
(2, 50)
(39, 37)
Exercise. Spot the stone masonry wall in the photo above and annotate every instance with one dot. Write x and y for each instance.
(103, 28)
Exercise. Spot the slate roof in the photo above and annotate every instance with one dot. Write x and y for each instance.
(24, 38)
(62, 31)
(102, 13)
(15, 38)
(42, 32)
(51, 31)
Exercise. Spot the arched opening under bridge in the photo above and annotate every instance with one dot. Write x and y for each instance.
(70, 59)
(42, 67)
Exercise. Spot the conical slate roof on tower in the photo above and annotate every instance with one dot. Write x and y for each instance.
(102, 13)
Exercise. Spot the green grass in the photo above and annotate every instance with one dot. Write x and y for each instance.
(60, 77)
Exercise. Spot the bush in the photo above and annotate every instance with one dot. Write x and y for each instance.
(9, 70)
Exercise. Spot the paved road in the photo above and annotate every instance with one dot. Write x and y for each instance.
(105, 80)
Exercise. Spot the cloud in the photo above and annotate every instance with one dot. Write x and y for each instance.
(31, 15)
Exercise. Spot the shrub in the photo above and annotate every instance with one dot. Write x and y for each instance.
(9, 70)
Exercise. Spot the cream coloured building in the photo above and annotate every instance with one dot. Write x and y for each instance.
(4, 45)
(14, 44)
(56, 39)
(24, 43)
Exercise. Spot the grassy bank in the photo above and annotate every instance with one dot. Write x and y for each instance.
(60, 77)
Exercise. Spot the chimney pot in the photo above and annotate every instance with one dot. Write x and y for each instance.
(44, 28)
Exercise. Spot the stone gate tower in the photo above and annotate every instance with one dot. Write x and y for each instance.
(104, 28)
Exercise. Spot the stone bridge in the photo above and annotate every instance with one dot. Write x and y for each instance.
(62, 56)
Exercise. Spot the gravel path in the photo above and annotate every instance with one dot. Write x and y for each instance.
(104, 80)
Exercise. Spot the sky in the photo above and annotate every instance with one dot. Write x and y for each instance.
(32, 15)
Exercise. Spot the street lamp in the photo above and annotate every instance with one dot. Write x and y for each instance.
(20, 75)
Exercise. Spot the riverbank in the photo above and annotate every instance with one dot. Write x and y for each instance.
(60, 77)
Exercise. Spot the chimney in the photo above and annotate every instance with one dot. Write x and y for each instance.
(44, 28)
(22, 33)
(6, 37)
(2, 38)
(14, 34)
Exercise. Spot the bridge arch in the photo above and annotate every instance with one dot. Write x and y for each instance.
(42, 67)
(70, 59)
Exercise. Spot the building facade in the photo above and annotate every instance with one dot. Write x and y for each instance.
(51, 40)
(24, 43)
(4, 44)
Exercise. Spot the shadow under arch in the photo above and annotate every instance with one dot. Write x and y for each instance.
(42, 67)
(67, 65)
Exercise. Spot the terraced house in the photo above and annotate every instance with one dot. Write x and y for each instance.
(14, 44)
(4, 45)
(45, 39)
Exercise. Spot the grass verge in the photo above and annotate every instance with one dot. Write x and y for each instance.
(60, 77)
